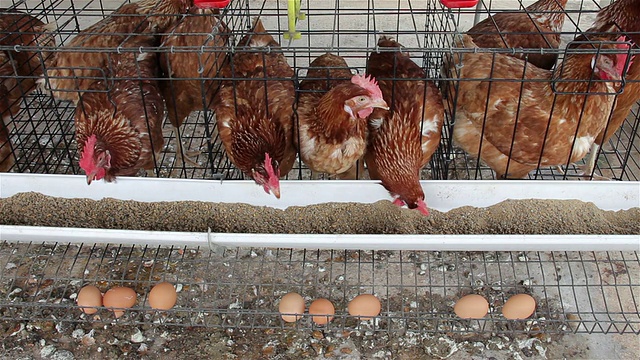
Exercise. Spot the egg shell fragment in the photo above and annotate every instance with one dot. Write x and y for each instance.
(163, 296)
(519, 306)
(366, 306)
(89, 299)
(324, 311)
(118, 298)
(290, 304)
(471, 306)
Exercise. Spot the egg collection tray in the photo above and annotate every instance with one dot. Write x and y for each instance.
(580, 292)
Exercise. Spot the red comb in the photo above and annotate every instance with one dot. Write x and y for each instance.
(369, 83)
(621, 58)
(267, 165)
(86, 158)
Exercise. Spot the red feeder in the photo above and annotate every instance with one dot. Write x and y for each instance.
(455, 4)
(211, 4)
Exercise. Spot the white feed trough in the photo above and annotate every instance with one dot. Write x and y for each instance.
(442, 196)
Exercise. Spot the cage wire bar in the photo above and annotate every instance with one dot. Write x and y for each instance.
(581, 292)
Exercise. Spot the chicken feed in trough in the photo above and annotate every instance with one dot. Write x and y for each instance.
(571, 245)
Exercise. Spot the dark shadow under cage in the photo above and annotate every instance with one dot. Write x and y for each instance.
(41, 130)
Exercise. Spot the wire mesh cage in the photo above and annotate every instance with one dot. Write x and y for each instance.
(42, 129)
(576, 291)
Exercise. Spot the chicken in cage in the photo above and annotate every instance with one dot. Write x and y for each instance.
(576, 110)
(18, 71)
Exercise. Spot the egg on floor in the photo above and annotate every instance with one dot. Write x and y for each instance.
(290, 306)
(471, 306)
(519, 306)
(89, 299)
(119, 298)
(365, 306)
(163, 296)
(323, 311)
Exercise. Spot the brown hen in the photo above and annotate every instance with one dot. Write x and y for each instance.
(517, 126)
(9, 106)
(254, 107)
(332, 111)
(18, 70)
(537, 27)
(620, 16)
(402, 139)
(72, 72)
(185, 90)
(119, 122)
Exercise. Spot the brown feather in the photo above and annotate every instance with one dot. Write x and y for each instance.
(25, 30)
(328, 139)
(537, 27)
(402, 139)
(254, 119)
(620, 16)
(184, 91)
(624, 102)
(18, 71)
(72, 72)
(125, 113)
(518, 114)
(9, 106)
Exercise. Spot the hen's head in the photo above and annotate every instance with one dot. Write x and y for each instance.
(267, 175)
(413, 197)
(421, 205)
(94, 160)
(610, 67)
(365, 101)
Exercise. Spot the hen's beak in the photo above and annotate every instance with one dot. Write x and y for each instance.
(272, 189)
(276, 192)
(90, 177)
(422, 207)
(380, 104)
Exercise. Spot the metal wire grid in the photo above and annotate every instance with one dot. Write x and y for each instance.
(345, 28)
(617, 159)
(576, 292)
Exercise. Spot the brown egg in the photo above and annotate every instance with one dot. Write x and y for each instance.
(163, 296)
(89, 298)
(471, 307)
(291, 303)
(519, 306)
(118, 299)
(324, 311)
(366, 306)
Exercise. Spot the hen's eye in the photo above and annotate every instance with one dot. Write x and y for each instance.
(362, 99)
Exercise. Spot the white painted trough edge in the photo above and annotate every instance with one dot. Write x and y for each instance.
(441, 195)
(326, 241)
